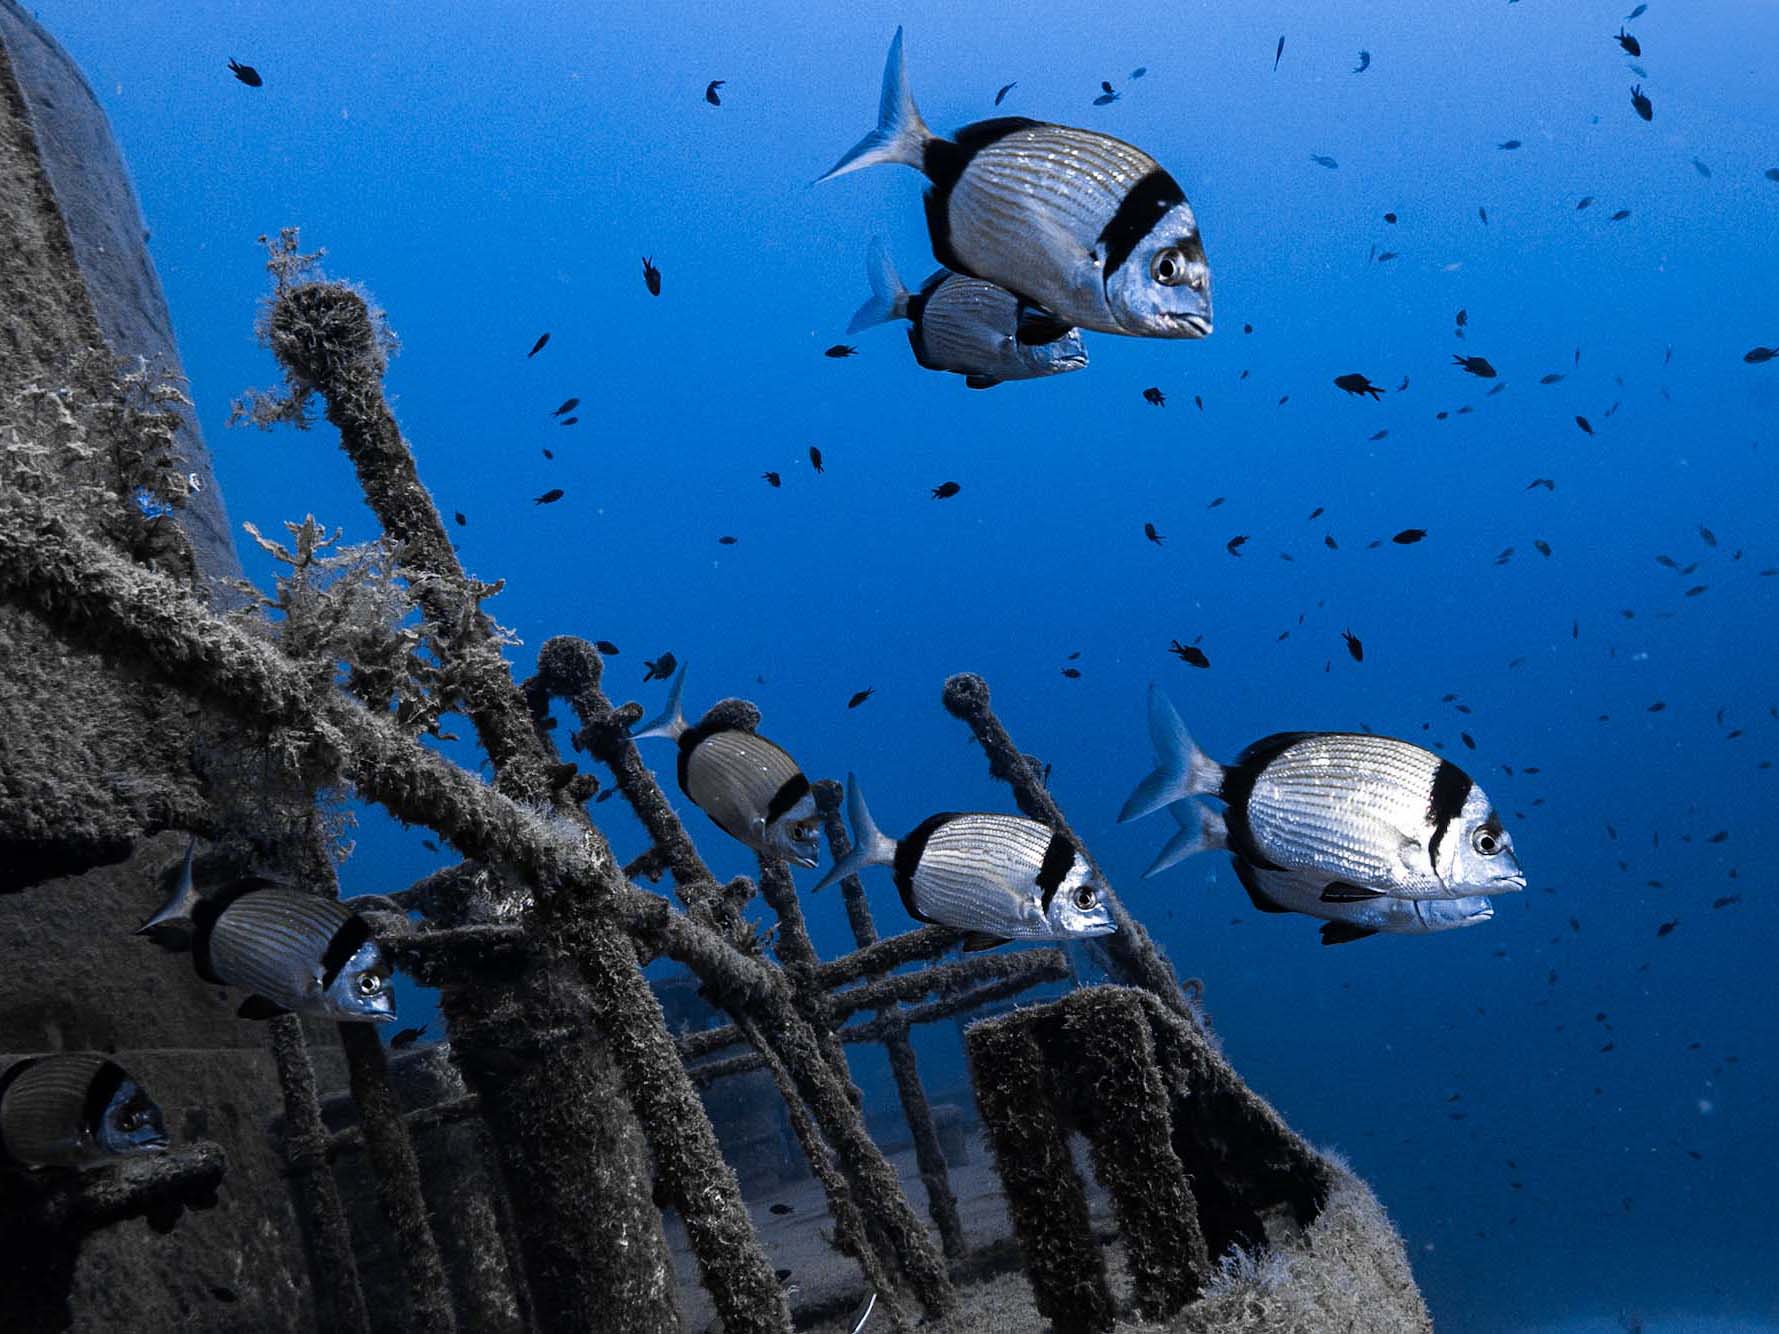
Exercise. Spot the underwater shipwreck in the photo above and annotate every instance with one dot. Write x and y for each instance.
(535, 1167)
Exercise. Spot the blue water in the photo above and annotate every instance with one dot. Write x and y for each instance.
(491, 172)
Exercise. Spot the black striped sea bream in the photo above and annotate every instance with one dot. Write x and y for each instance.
(74, 1109)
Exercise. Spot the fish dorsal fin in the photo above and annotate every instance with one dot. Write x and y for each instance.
(981, 940)
(1038, 326)
(1340, 933)
(258, 1007)
(1339, 891)
(1256, 895)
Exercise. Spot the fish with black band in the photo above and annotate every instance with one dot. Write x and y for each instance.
(750, 788)
(994, 877)
(1369, 813)
(75, 1109)
(292, 951)
(247, 74)
(1092, 232)
(651, 276)
(963, 325)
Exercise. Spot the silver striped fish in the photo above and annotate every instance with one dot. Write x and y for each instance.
(963, 325)
(994, 877)
(1368, 813)
(293, 952)
(1090, 231)
(750, 788)
(74, 1109)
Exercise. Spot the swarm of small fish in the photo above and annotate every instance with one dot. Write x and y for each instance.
(1368, 833)
(1042, 231)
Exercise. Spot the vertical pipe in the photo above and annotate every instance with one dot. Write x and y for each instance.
(397, 1173)
(306, 1151)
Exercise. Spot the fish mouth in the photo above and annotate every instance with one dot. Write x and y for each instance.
(1185, 324)
(1102, 929)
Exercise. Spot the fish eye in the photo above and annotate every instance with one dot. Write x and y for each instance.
(369, 984)
(1487, 841)
(1085, 898)
(1169, 266)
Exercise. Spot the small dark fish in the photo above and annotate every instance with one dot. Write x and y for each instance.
(1478, 366)
(772, 479)
(1586, 201)
(1139, 71)
(946, 490)
(1005, 89)
(550, 453)
(710, 92)
(1218, 501)
(1356, 384)
(660, 668)
(1073, 673)
(1354, 647)
(1150, 533)
(727, 541)
(1329, 542)
(1317, 513)
(1586, 426)
(606, 647)
(1726, 900)
(859, 697)
(550, 497)
(1409, 536)
(1637, 13)
(1632, 46)
(538, 346)
(1509, 146)
(781, 1209)
(1390, 218)
(1278, 53)
(568, 405)
(461, 521)
(1543, 546)
(247, 74)
(1105, 86)
(1375, 436)
(429, 845)
(1702, 169)
(1105, 99)
(1756, 356)
(1555, 377)
(815, 458)
(840, 350)
(651, 276)
(1386, 256)
(1666, 927)
(1364, 62)
(1323, 160)
(1706, 536)
(1233, 546)
(1640, 103)
(1621, 215)
(1468, 740)
(1190, 654)
(408, 1037)
(1154, 396)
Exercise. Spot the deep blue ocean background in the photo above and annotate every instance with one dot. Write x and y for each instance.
(1566, 1114)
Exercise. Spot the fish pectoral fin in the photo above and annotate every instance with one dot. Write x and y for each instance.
(1038, 326)
(258, 1007)
(980, 381)
(1339, 933)
(1339, 891)
(981, 940)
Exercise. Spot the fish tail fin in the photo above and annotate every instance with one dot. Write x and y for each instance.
(889, 299)
(1201, 830)
(183, 901)
(870, 847)
(670, 722)
(1181, 770)
(901, 135)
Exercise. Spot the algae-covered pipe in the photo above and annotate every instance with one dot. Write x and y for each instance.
(1132, 952)
(305, 1149)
